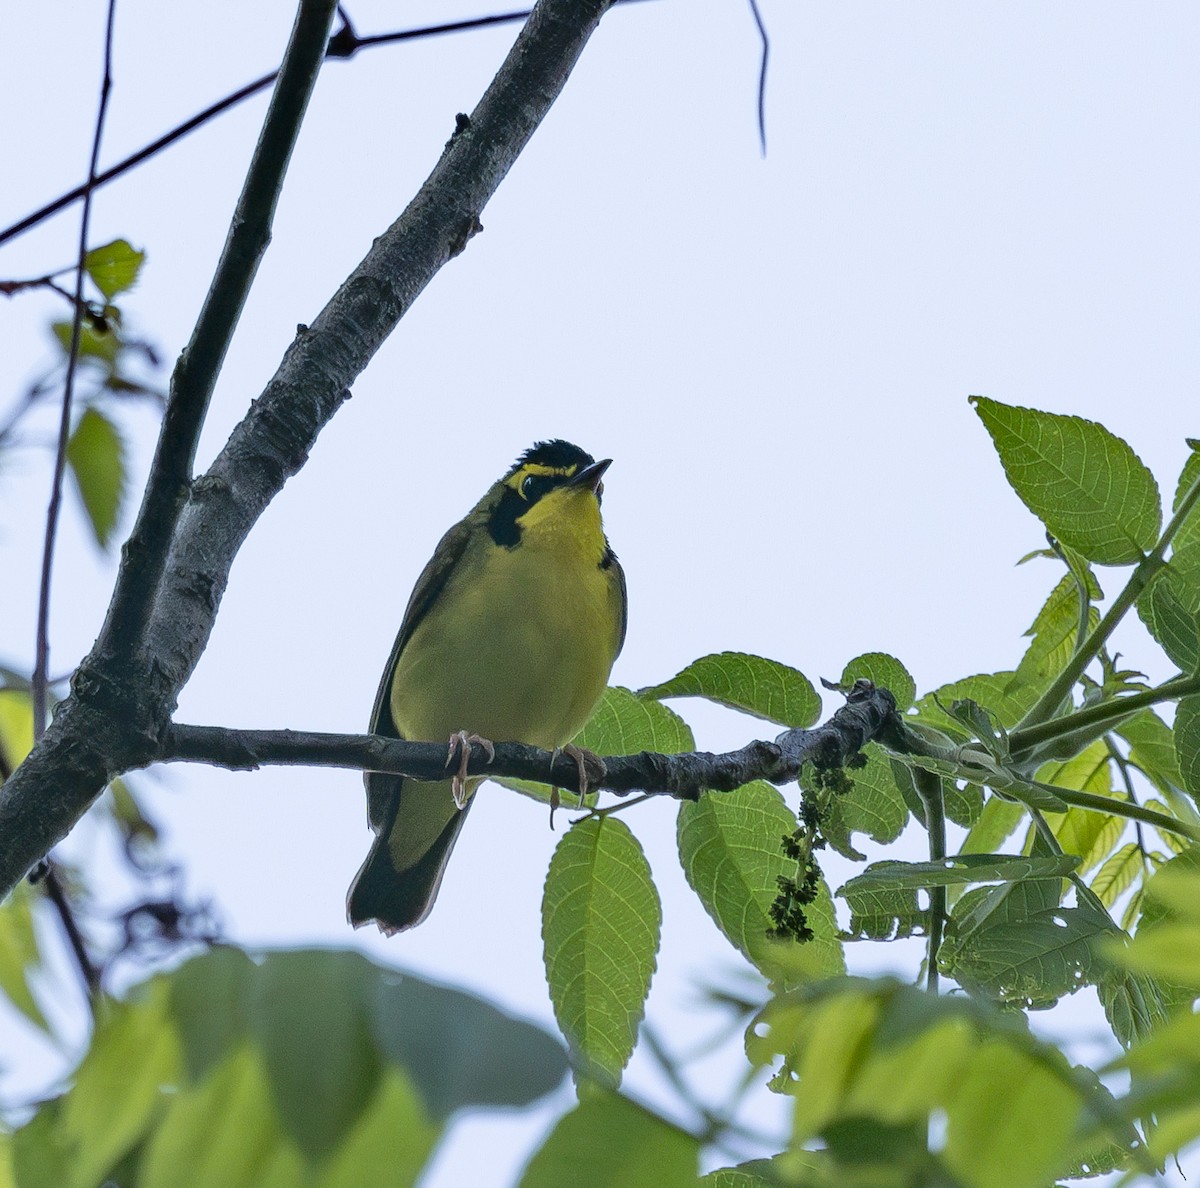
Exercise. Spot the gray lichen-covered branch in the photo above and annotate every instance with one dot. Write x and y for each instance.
(125, 691)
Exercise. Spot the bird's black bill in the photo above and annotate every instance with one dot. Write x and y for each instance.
(590, 476)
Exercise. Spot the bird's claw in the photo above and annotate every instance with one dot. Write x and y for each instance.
(581, 756)
(460, 742)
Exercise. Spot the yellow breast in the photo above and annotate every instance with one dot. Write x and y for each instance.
(520, 643)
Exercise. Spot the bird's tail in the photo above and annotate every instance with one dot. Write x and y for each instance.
(398, 899)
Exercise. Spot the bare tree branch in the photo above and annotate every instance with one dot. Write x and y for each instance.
(869, 713)
(121, 701)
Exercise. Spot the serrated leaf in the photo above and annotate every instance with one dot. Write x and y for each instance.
(1187, 743)
(729, 847)
(994, 825)
(114, 267)
(1118, 874)
(1152, 748)
(601, 920)
(961, 869)
(1189, 530)
(1170, 607)
(622, 724)
(319, 1088)
(1133, 1004)
(96, 456)
(19, 954)
(1083, 832)
(998, 692)
(964, 804)
(885, 672)
(753, 684)
(873, 805)
(1054, 631)
(1032, 961)
(1084, 483)
(608, 1141)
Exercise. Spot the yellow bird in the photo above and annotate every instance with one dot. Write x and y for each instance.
(509, 635)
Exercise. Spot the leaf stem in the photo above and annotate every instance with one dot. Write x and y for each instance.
(1144, 572)
(1120, 808)
(1104, 714)
(930, 789)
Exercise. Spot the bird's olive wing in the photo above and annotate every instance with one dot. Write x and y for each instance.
(430, 584)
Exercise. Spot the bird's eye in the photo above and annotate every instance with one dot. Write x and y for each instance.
(528, 486)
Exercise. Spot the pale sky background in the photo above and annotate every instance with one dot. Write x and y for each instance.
(993, 198)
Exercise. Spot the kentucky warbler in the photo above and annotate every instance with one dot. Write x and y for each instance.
(509, 635)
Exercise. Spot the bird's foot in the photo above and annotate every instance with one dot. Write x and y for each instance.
(460, 742)
(583, 758)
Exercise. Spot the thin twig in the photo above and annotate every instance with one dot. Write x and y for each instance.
(42, 648)
(343, 45)
(762, 75)
(1122, 763)
(57, 895)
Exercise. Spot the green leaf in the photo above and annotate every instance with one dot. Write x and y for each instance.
(608, 1142)
(118, 1090)
(320, 1086)
(1170, 607)
(100, 341)
(1031, 959)
(390, 1144)
(873, 805)
(963, 805)
(999, 693)
(1085, 484)
(885, 672)
(856, 1051)
(40, 1156)
(1011, 1120)
(459, 1050)
(1187, 743)
(114, 267)
(1189, 530)
(19, 954)
(600, 928)
(622, 724)
(1118, 874)
(96, 455)
(752, 684)
(950, 872)
(1054, 631)
(1088, 834)
(729, 847)
(1152, 748)
(16, 726)
(223, 1133)
(1133, 1004)
(994, 825)
(210, 998)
